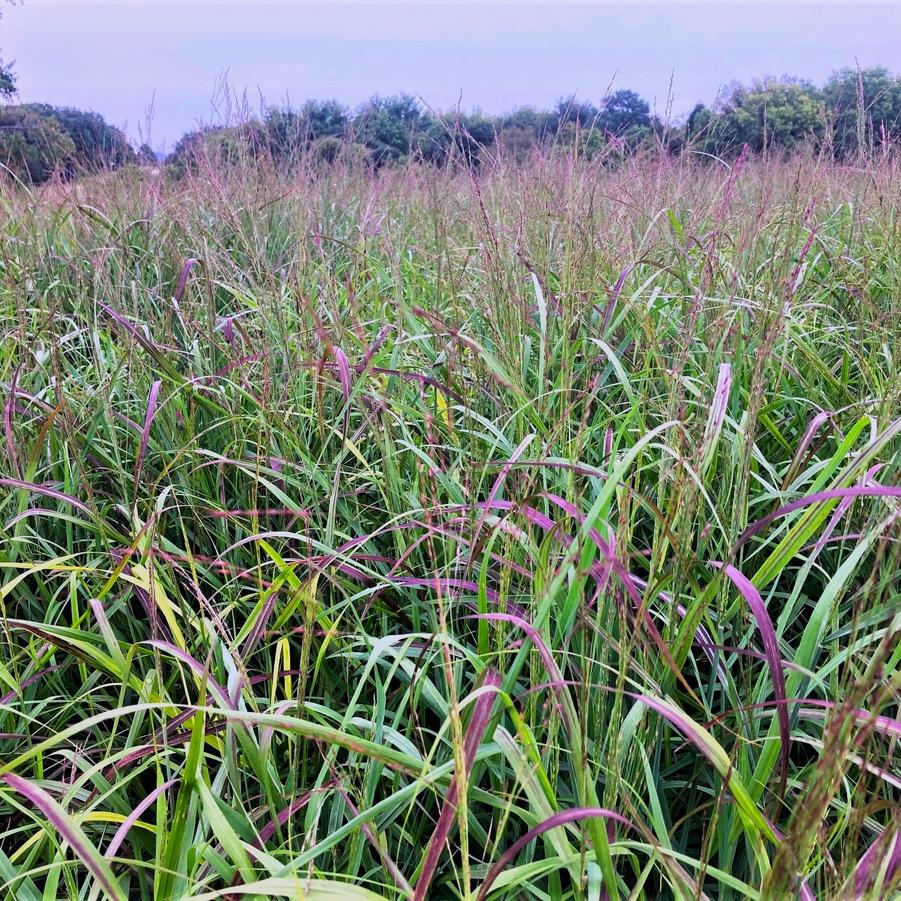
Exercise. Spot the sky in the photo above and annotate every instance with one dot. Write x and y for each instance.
(159, 68)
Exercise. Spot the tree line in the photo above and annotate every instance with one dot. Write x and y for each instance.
(854, 112)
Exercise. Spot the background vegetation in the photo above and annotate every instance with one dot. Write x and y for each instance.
(854, 112)
(522, 529)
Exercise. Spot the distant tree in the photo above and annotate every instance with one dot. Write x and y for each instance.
(584, 141)
(539, 122)
(569, 110)
(698, 122)
(454, 138)
(333, 150)
(183, 155)
(33, 147)
(522, 130)
(624, 111)
(219, 145)
(325, 118)
(388, 126)
(864, 106)
(767, 115)
(39, 139)
(518, 142)
(328, 149)
(146, 155)
(472, 135)
(7, 81)
(98, 145)
(289, 132)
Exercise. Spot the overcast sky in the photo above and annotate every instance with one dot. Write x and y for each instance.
(120, 59)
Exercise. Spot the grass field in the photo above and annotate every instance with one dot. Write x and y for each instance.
(523, 534)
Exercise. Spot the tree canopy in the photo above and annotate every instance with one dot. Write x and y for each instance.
(778, 114)
(7, 81)
(32, 146)
(855, 111)
(865, 108)
(37, 140)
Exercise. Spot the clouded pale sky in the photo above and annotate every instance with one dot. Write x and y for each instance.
(120, 59)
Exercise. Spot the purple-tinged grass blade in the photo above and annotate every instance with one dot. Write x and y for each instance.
(604, 546)
(24, 683)
(47, 492)
(715, 753)
(386, 859)
(884, 853)
(343, 367)
(196, 667)
(286, 813)
(608, 444)
(578, 468)
(499, 480)
(183, 279)
(135, 332)
(261, 624)
(145, 432)
(129, 422)
(8, 424)
(816, 709)
(812, 429)
(373, 349)
(421, 378)
(774, 660)
(703, 639)
(228, 329)
(613, 297)
(547, 524)
(37, 401)
(816, 498)
(277, 465)
(544, 652)
(558, 819)
(557, 682)
(132, 818)
(71, 833)
(475, 731)
(612, 562)
(884, 724)
(44, 511)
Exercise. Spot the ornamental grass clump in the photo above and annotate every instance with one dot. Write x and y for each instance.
(522, 532)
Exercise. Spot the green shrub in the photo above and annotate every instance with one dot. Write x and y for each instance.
(40, 139)
(32, 146)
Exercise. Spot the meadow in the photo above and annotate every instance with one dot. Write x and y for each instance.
(521, 532)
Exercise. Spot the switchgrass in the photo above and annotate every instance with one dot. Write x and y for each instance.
(527, 533)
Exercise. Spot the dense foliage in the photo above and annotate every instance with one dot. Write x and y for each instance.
(528, 531)
(856, 112)
(98, 145)
(38, 140)
(32, 147)
(7, 81)
(878, 93)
